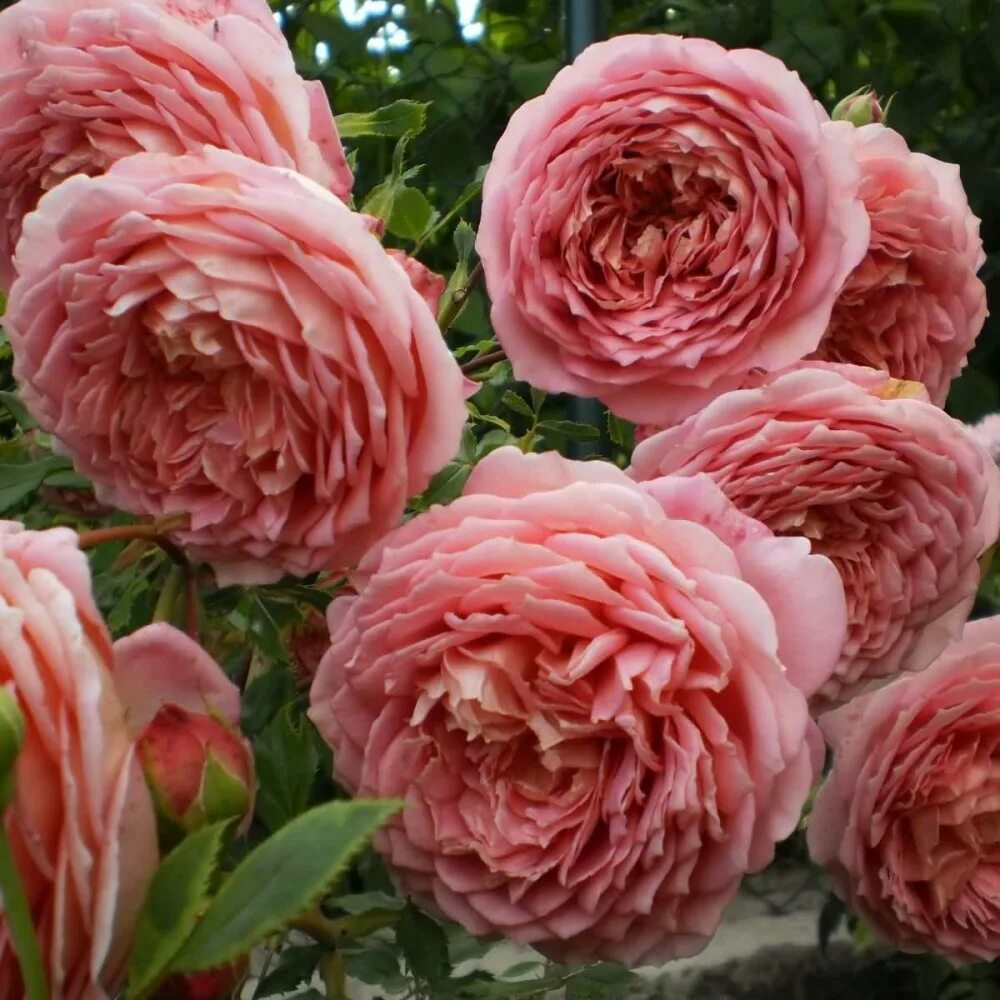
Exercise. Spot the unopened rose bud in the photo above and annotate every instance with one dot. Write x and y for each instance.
(199, 770)
(860, 108)
(213, 984)
(11, 741)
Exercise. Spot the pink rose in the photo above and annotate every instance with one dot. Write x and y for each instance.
(914, 306)
(585, 690)
(665, 218)
(81, 822)
(906, 822)
(888, 486)
(210, 336)
(84, 83)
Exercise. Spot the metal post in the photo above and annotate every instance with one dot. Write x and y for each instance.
(584, 26)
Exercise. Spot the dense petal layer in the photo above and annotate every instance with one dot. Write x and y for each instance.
(914, 306)
(906, 822)
(667, 217)
(84, 83)
(577, 685)
(214, 337)
(898, 494)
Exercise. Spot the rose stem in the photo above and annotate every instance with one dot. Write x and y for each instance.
(458, 298)
(483, 361)
(152, 533)
(131, 533)
(22, 930)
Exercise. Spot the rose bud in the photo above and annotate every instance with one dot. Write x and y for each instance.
(198, 768)
(860, 108)
(212, 984)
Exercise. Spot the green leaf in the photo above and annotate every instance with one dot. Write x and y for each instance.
(280, 879)
(19, 481)
(390, 122)
(175, 897)
(514, 402)
(488, 418)
(567, 428)
(12, 402)
(376, 964)
(359, 902)
(287, 760)
(414, 213)
(68, 480)
(423, 944)
(621, 432)
(598, 982)
(411, 213)
(295, 966)
(264, 697)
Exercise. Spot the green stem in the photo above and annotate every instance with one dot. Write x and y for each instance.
(22, 930)
(321, 929)
(166, 603)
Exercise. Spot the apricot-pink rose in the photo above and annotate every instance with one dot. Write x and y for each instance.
(85, 82)
(914, 306)
(897, 493)
(586, 691)
(906, 822)
(81, 821)
(668, 216)
(209, 336)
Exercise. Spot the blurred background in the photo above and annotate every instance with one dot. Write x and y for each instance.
(476, 60)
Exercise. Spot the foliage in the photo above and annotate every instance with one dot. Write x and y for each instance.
(422, 120)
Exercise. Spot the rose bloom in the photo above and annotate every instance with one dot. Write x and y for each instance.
(665, 218)
(589, 693)
(209, 336)
(891, 488)
(914, 306)
(81, 821)
(906, 822)
(85, 82)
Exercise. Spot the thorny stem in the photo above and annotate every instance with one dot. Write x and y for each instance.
(134, 532)
(451, 309)
(482, 361)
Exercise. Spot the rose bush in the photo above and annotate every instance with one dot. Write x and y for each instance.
(906, 822)
(84, 83)
(585, 691)
(667, 217)
(273, 373)
(893, 490)
(913, 306)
